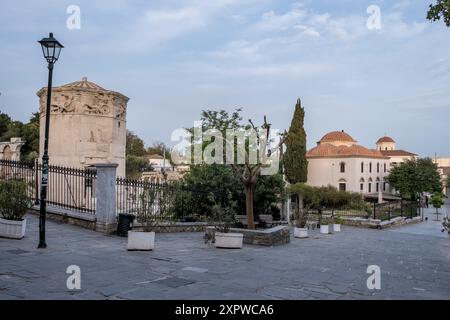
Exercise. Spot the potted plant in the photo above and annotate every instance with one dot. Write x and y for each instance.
(300, 220)
(14, 204)
(223, 218)
(437, 201)
(150, 214)
(337, 222)
(325, 225)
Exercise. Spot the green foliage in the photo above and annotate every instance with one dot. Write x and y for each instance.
(294, 159)
(14, 200)
(29, 133)
(135, 145)
(155, 207)
(437, 200)
(135, 165)
(222, 180)
(440, 10)
(159, 148)
(316, 198)
(414, 177)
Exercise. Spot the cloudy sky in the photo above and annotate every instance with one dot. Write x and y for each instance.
(175, 58)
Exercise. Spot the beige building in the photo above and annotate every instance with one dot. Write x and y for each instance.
(444, 169)
(339, 161)
(87, 125)
(387, 146)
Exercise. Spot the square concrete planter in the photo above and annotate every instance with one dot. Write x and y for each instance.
(336, 227)
(141, 241)
(228, 240)
(324, 229)
(301, 233)
(12, 229)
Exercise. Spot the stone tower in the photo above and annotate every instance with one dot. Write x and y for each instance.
(87, 125)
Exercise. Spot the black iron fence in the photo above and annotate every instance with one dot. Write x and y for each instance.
(68, 188)
(393, 209)
(380, 211)
(165, 201)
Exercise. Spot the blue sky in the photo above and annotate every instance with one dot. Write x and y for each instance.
(175, 58)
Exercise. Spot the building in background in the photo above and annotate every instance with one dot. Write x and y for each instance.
(87, 125)
(339, 161)
(387, 146)
(444, 169)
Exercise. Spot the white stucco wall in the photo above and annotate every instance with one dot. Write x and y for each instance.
(326, 171)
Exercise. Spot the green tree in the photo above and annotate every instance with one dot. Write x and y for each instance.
(437, 201)
(222, 181)
(135, 165)
(294, 159)
(134, 145)
(247, 173)
(414, 177)
(30, 134)
(161, 149)
(440, 10)
(5, 120)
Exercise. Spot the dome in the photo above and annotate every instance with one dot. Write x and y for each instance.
(337, 136)
(385, 139)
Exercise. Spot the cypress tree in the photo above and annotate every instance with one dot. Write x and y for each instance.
(294, 160)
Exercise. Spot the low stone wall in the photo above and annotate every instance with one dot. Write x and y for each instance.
(269, 237)
(378, 224)
(176, 227)
(80, 219)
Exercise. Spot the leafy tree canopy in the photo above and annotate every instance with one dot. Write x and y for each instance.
(440, 10)
(414, 177)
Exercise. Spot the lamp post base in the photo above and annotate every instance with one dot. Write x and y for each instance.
(42, 246)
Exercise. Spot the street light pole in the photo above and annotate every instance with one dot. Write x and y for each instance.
(51, 49)
(45, 158)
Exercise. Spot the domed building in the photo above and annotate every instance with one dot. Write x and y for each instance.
(338, 160)
(386, 145)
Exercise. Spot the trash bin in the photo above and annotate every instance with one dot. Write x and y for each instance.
(124, 224)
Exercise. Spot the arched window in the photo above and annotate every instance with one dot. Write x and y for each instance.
(342, 167)
(384, 167)
(370, 167)
(361, 184)
(378, 167)
(362, 167)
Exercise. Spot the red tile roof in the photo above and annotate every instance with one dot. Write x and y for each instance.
(397, 153)
(385, 139)
(331, 151)
(337, 136)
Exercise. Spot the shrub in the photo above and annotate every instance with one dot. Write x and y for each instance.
(14, 200)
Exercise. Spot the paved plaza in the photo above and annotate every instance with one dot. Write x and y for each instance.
(414, 262)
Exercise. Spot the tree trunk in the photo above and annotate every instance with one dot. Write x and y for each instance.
(249, 207)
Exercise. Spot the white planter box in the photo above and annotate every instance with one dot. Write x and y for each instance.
(12, 229)
(324, 229)
(336, 227)
(301, 233)
(143, 241)
(228, 240)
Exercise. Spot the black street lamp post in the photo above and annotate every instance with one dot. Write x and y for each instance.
(51, 49)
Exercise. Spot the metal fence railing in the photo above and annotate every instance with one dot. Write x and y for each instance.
(165, 201)
(68, 188)
(380, 211)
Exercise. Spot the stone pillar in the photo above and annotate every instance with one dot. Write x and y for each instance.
(105, 193)
(288, 210)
